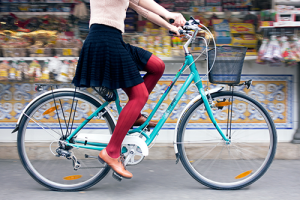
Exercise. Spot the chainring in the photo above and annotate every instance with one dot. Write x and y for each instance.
(137, 157)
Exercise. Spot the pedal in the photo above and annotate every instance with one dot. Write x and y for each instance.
(117, 176)
(88, 156)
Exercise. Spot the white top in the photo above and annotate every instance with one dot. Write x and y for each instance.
(113, 12)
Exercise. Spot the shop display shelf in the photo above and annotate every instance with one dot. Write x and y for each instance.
(14, 52)
(37, 13)
(221, 14)
(40, 52)
(35, 58)
(36, 3)
(66, 52)
(283, 26)
(165, 59)
(288, 3)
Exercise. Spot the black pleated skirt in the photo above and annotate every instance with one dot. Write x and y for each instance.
(106, 60)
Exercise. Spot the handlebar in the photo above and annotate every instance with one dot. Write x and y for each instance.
(192, 24)
(190, 31)
(181, 32)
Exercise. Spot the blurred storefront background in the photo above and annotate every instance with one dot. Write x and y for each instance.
(40, 41)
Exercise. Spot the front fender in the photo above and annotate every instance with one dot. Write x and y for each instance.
(56, 91)
(185, 109)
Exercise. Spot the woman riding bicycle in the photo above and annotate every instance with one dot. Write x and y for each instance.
(105, 60)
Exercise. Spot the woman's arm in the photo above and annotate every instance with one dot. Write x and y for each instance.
(158, 9)
(153, 17)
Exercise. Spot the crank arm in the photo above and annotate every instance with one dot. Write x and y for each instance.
(129, 156)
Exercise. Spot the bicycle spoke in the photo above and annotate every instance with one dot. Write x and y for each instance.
(73, 116)
(198, 142)
(233, 164)
(62, 110)
(58, 172)
(200, 159)
(235, 160)
(46, 126)
(214, 161)
(57, 111)
(251, 152)
(70, 114)
(63, 114)
(244, 155)
(39, 125)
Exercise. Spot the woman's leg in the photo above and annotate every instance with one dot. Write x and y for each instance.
(155, 68)
(138, 96)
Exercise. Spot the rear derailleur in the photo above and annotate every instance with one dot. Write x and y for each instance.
(64, 151)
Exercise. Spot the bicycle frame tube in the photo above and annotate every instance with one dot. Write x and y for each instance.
(87, 120)
(139, 129)
(194, 76)
(198, 81)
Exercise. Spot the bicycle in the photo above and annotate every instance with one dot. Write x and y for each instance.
(228, 155)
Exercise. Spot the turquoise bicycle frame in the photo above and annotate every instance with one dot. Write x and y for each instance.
(194, 76)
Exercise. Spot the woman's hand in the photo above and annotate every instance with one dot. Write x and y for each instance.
(175, 29)
(178, 18)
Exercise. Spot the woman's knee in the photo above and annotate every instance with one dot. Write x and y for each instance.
(139, 94)
(161, 66)
(144, 95)
(155, 65)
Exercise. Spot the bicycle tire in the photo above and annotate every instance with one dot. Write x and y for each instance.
(30, 164)
(227, 172)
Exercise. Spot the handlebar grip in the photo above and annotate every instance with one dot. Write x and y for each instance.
(173, 33)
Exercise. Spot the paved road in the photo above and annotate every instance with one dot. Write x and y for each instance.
(155, 179)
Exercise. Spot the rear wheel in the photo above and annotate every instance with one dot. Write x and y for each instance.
(47, 122)
(220, 165)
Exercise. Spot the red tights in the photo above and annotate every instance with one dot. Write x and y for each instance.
(138, 96)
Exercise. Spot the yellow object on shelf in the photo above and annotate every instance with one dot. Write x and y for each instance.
(142, 40)
(167, 50)
(67, 52)
(242, 28)
(251, 53)
(159, 51)
(39, 51)
(243, 34)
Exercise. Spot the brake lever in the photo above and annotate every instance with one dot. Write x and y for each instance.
(181, 32)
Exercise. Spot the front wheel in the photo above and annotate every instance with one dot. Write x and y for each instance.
(47, 122)
(219, 164)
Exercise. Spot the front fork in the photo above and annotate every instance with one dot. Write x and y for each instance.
(210, 113)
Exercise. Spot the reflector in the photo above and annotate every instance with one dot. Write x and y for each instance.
(50, 110)
(73, 177)
(244, 174)
(222, 104)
